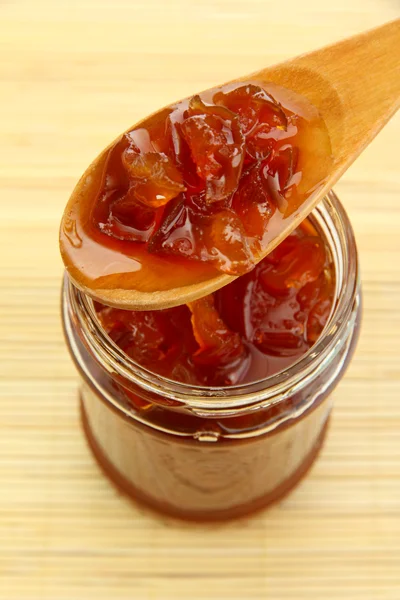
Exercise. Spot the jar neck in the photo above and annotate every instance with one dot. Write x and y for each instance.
(331, 221)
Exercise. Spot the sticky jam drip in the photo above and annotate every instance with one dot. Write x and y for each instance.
(255, 326)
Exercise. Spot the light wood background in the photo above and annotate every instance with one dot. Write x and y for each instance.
(74, 74)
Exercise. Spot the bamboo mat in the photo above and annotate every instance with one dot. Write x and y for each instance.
(74, 74)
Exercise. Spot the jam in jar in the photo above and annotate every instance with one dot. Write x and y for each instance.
(215, 409)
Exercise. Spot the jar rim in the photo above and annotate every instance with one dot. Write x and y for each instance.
(272, 389)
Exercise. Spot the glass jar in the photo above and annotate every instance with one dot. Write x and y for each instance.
(214, 452)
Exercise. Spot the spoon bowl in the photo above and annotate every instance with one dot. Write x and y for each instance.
(355, 86)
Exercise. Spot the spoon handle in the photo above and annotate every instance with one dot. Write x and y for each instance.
(355, 84)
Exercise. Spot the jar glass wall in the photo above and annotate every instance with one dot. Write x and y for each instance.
(209, 452)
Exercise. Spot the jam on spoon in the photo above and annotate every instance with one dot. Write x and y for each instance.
(199, 188)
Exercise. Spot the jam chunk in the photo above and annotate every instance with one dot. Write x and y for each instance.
(222, 358)
(260, 116)
(252, 202)
(144, 336)
(292, 266)
(129, 220)
(315, 299)
(154, 178)
(217, 343)
(216, 143)
(216, 237)
(290, 281)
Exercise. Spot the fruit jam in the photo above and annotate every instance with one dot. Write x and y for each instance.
(216, 409)
(252, 328)
(198, 188)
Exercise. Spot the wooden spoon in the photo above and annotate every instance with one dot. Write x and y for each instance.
(355, 85)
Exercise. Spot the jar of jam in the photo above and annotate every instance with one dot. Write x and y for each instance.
(208, 453)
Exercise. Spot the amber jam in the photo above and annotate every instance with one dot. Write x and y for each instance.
(216, 409)
(252, 328)
(198, 188)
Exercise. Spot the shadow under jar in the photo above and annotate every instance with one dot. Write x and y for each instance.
(209, 453)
